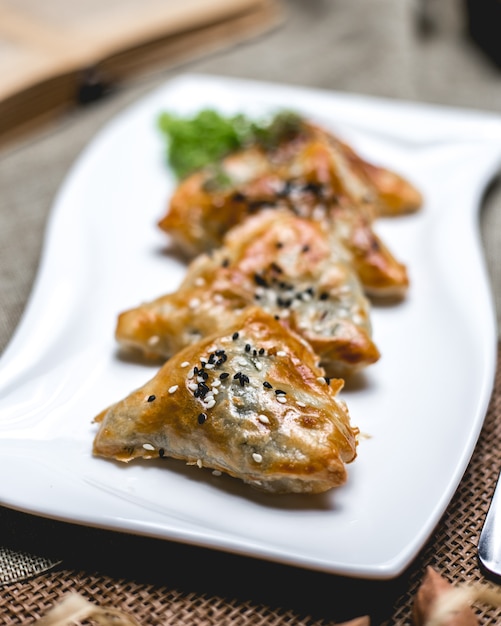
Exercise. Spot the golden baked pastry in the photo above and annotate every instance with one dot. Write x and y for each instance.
(311, 174)
(292, 267)
(249, 401)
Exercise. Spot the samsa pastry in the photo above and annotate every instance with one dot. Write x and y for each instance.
(312, 174)
(292, 267)
(250, 402)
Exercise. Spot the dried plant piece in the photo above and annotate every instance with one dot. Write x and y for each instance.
(432, 597)
(439, 603)
(74, 609)
(358, 621)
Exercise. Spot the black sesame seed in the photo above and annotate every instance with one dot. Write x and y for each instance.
(247, 347)
(219, 352)
(223, 375)
(225, 263)
(327, 380)
(161, 453)
(280, 392)
(244, 379)
(261, 350)
(254, 352)
(151, 398)
(237, 375)
(202, 418)
(259, 280)
(234, 336)
(324, 295)
(267, 385)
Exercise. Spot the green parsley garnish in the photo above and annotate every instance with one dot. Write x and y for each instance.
(193, 143)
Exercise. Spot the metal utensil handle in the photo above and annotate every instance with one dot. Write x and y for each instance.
(489, 545)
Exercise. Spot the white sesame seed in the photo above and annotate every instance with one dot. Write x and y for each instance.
(193, 386)
(210, 404)
(199, 281)
(301, 404)
(209, 366)
(194, 303)
(218, 298)
(322, 380)
(281, 399)
(185, 364)
(263, 419)
(199, 463)
(173, 388)
(148, 446)
(191, 373)
(257, 457)
(281, 353)
(215, 383)
(153, 340)
(216, 473)
(258, 365)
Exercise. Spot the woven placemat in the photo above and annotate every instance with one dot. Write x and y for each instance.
(159, 582)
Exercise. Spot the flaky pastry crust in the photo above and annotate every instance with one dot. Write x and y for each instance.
(294, 268)
(250, 402)
(313, 175)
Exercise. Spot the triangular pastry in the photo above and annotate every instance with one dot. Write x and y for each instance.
(292, 267)
(314, 175)
(250, 402)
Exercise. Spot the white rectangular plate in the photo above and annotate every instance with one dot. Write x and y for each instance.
(422, 404)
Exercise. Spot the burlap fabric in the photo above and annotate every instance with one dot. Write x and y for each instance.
(377, 47)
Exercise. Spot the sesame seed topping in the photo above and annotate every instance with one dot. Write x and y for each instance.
(247, 347)
(210, 403)
(161, 453)
(194, 303)
(267, 385)
(150, 398)
(202, 418)
(257, 457)
(280, 392)
(282, 399)
(185, 364)
(234, 336)
(301, 404)
(199, 281)
(215, 383)
(173, 388)
(193, 386)
(223, 375)
(281, 353)
(153, 340)
(199, 463)
(148, 446)
(263, 419)
(216, 473)
(321, 379)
